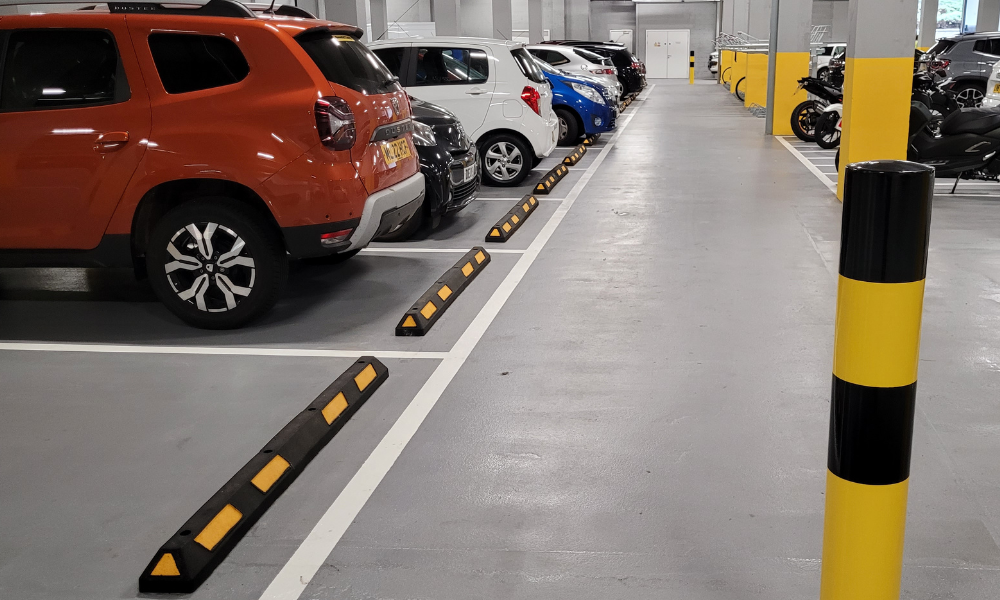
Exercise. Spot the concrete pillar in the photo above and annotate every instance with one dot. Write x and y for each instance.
(928, 24)
(445, 14)
(503, 25)
(988, 16)
(379, 18)
(350, 12)
(877, 81)
(535, 21)
(788, 61)
(578, 19)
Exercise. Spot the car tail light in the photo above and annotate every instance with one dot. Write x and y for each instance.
(335, 123)
(603, 71)
(531, 97)
(335, 237)
(939, 64)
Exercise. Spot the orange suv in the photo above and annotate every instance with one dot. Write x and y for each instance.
(202, 146)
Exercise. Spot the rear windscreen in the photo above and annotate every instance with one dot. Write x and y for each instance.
(528, 66)
(347, 62)
(589, 56)
(941, 47)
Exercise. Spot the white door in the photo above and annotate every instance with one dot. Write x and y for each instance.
(623, 36)
(667, 52)
(458, 77)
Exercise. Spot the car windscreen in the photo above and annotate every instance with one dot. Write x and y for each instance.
(347, 62)
(527, 64)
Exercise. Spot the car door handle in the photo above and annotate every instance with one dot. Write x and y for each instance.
(476, 92)
(112, 140)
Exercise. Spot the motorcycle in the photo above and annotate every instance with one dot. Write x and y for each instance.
(965, 148)
(828, 126)
(805, 115)
(940, 100)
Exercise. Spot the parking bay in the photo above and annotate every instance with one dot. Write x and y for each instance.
(144, 417)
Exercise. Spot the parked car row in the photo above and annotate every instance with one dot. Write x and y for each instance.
(206, 146)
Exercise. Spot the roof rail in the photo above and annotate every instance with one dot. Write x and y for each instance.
(214, 8)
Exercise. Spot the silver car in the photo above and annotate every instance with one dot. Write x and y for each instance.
(968, 61)
(578, 61)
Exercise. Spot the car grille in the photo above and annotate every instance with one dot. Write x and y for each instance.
(463, 192)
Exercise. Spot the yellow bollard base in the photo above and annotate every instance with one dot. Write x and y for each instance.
(863, 540)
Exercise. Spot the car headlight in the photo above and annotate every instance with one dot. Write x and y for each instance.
(587, 92)
(423, 135)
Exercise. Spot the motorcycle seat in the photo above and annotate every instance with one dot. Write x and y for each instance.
(971, 120)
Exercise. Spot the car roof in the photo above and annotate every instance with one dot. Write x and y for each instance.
(451, 40)
(986, 35)
(214, 9)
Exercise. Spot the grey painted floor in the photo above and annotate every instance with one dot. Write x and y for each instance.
(645, 416)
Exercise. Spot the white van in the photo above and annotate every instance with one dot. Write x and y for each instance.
(494, 88)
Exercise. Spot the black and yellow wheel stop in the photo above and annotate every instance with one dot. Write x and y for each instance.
(550, 179)
(431, 305)
(511, 222)
(576, 155)
(191, 554)
(589, 140)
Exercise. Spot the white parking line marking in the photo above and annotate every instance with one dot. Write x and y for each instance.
(218, 350)
(831, 184)
(417, 250)
(295, 576)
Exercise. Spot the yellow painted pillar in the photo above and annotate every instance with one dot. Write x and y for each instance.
(756, 79)
(739, 71)
(788, 61)
(726, 61)
(691, 68)
(878, 78)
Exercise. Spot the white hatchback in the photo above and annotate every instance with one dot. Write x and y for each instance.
(494, 88)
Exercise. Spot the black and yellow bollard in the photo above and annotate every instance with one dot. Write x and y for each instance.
(691, 68)
(883, 263)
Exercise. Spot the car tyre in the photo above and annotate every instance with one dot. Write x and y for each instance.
(804, 117)
(823, 74)
(505, 159)
(215, 264)
(569, 127)
(970, 94)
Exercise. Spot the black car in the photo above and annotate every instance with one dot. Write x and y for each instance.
(449, 162)
(631, 71)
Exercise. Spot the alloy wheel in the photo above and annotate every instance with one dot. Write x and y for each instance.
(504, 161)
(970, 98)
(563, 129)
(212, 267)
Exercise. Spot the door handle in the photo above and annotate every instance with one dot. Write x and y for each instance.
(476, 92)
(112, 140)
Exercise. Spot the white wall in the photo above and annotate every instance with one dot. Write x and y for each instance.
(699, 17)
(420, 12)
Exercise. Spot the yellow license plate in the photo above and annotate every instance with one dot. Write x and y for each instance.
(395, 151)
(996, 88)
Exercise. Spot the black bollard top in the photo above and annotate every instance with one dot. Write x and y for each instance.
(887, 220)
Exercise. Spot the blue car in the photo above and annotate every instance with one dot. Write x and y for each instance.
(584, 107)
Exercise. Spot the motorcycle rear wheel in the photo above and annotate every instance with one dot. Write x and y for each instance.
(804, 118)
(827, 135)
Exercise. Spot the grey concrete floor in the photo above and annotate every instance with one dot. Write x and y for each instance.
(645, 417)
